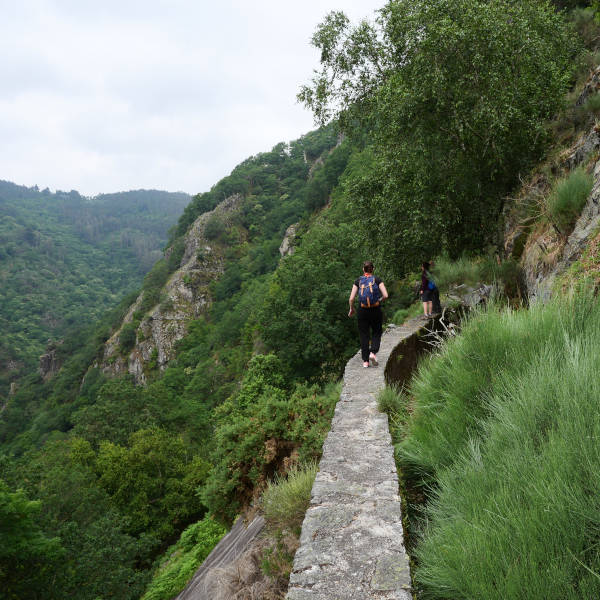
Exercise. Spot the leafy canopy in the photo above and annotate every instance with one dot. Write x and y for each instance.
(454, 94)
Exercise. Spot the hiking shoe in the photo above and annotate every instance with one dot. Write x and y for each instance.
(373, 359)
(366, 365)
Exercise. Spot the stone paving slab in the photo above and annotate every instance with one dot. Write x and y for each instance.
(351, 546)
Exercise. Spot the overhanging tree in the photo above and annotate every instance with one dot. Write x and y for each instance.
(454, 94)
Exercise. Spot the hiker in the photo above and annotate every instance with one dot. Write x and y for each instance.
(371, 293)
(426, 291)
(436, 305)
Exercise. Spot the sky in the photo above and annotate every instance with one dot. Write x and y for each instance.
(105, 96)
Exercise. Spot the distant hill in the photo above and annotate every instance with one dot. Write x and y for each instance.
(65, 259)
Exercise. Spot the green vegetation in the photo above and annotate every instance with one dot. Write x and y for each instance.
(403, 314)
(65, 260)
(474, 270)
(182, 559)
(445, 103)
(568, 198)
(27, 556)
(286, 499)
(259, 428)
(284, 503)
(583, 274)
(153, 460)
(454, 95)
(508, 449)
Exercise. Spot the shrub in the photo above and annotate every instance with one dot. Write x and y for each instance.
(568, 198)
(127, 337)
(400, 316)
(286, 499)
(257, 431)
(180, 561)
(214, 228)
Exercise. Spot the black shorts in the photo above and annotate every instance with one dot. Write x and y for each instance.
(427, 295)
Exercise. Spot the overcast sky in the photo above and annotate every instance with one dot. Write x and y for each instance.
(114, 95)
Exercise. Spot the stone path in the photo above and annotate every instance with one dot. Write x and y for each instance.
(351, 546)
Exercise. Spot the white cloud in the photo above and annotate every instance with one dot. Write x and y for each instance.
(118, 95)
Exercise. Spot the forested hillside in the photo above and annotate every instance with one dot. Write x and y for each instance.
(153, 459)
(431, 116)
(66, 259)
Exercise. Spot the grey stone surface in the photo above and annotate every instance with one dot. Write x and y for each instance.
(351, 546)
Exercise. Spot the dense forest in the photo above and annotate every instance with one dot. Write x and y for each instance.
(430, 116)
(65, 260)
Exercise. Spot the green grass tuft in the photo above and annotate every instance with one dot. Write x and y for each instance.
(568, 198)
(286, 499)
(402, 314)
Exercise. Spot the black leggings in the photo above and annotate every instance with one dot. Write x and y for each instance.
(369, 319)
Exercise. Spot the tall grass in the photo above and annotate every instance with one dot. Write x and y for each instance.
(568, 198)
(506, 427)
(286, 499)
(452, 387)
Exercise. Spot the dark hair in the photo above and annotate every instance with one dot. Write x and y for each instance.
(426, 266)
(368, 266)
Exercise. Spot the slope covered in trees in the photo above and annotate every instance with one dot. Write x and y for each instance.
(152, 460)
(66, 259)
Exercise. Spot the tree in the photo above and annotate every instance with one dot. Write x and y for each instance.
(454, 94)
(27, 555)
(153, 481)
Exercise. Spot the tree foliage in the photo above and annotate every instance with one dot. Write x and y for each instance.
(27, 555)
(454, 94)
(66, 259)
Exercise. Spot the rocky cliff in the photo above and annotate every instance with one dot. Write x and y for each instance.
(185, 297)
(546, 253)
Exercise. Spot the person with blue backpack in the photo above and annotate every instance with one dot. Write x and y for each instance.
(371, 293)
(427, 290)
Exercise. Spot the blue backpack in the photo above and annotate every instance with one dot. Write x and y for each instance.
(431, 282)
(369, 294)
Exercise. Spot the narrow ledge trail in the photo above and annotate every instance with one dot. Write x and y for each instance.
(351, 546)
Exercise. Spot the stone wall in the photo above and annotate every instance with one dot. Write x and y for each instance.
(351, 546)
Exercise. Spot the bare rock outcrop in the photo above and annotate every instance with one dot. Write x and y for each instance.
(591, 86)
(49, 362)
(287, 245)
(185, 297)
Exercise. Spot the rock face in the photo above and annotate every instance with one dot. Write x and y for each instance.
(184, 298)
(547, 253)
(287, 247)
(49, 362)
(540, 285)
(591, 87)
(468, 296)
(544, 252)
